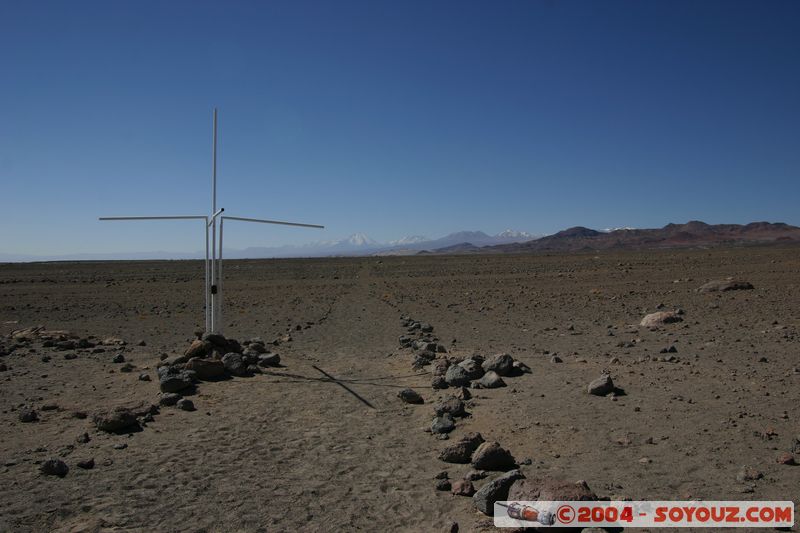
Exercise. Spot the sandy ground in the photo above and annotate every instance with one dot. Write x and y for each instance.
(291, 450)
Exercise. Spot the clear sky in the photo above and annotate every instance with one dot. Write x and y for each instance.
(393, 118)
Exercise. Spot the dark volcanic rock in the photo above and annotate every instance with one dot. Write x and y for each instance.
(502, 364)
(173, 379)
(491, 456)
(410, 396)
(185, 404)
(234, 364)
(169, 398)
(28, 415)
(490, 380)
(443, 424)
(86, 464)
(54, 467)
(456, 376)
(451, 405)
(269, 359)
(473, 368)
(495, 490)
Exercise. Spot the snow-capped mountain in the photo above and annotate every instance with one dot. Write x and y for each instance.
(411, 239)
(513, 234)
(357, 240)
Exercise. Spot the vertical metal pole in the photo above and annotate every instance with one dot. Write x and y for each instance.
(206, 289)
(214, 224)
(219, 276)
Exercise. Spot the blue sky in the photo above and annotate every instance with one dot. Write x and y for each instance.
(393, 118)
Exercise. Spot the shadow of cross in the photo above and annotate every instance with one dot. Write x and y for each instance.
(345, 387)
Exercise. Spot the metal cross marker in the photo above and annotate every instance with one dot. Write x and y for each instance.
(213, 265)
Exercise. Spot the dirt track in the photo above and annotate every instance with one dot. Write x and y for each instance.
(291, 450)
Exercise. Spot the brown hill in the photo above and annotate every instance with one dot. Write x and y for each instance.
(691, 234)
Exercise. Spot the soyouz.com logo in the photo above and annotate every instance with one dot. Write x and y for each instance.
(713, 514)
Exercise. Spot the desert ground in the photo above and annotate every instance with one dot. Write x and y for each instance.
(290, 449)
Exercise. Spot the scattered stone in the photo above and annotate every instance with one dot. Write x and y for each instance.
(491, 456)
(451, 405)
(443, 424)
(115, 421)
(495, 490)
(173, 379)
(198, 348)
(83, 438)
(269, 359)
(725, 285)
(206, 368)
(669, 349)
(462, 450)
(556, 359)
(86, 464)
(234, 364)
(438, 382)
(144, 376)
(457, 376)
(410, 396)
(463, 487)
(490, 380)
(551, 489)
(463, 393)
(28, 415)
(120, 446)
(660, 318)
(601, 386)
(748, 473)
(169, 398)
(786, 458)
(472, 367)
(54, 467)
(443, 484)
(119, 358)
(522, 368)
(502, 364)
(185, 404)
(127, 367)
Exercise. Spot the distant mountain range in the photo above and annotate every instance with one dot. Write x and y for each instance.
(354, 245)
(691, 234)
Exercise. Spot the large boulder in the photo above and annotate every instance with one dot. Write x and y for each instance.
(491, 456)
(495, 490)
(660, 318)
(502, 364)
(462, 450)
(722, 285)
(116, 420)
(206, 368)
